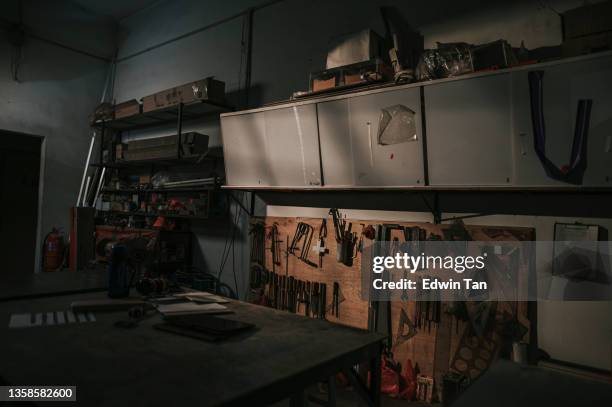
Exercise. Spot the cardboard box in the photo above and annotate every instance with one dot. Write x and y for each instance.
(322, 84)
(204, 89)
(166, 148)
(587, 20)
(127, 109)
(119, 150)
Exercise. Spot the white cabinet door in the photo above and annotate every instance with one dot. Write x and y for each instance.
(244, 150)
(352, 153)
(563, 86)
(278, 147)
(293, 146)
(336, 147)
(469, 127)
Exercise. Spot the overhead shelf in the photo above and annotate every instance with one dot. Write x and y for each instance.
(154, 215)
(166, 115)
(156, 190)
(514, 189)
(213, 154)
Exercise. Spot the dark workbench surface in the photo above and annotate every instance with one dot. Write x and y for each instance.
(144, 367)
(32, 285)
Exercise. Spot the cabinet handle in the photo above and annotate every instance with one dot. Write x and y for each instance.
(608, 143)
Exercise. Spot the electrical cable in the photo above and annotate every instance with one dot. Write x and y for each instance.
(229, 243)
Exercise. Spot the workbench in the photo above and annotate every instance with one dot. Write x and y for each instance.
(32, 285)
(142, 366)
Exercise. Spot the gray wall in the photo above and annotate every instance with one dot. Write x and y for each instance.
(57, 91)
(290, 39)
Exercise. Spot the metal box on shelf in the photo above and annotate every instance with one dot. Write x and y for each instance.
(204, 89)
(163, 148)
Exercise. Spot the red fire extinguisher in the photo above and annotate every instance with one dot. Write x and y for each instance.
(53, 250)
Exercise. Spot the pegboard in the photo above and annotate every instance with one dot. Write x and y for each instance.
(434, 346)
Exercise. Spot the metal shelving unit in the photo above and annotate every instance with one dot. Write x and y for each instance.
(177, 115)
(171, 114)
(155, 215)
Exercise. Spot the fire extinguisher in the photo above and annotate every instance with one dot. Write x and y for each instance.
(53, 250)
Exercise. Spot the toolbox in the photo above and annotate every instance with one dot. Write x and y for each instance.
(165, 148)
(127, 109)
(204, 89)
(494, 55)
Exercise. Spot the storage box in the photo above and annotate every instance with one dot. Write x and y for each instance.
(322, 84)
(494, 55)
(204, 89)
(119, 150)
(587, 20)
(166, 148)
(127, 109)
(350, 75)
(353, 48)
(586, 45)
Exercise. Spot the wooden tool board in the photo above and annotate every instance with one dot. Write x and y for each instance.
(432, 348)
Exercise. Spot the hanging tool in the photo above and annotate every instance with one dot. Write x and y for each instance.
(303, 234)
(338, 224)
(275, 246)
(346, 239)
(405, 329)
(320, 247)
(258, 243)
(322, 300)
(336, 300)
(314, 299)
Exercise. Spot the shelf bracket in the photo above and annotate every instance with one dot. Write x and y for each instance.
(179, 129)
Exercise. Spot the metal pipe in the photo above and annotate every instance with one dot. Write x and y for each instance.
(198, 30)
(100, 183)
(91, 144)
(86, 190)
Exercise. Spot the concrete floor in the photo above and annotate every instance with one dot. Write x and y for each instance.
(346, 397)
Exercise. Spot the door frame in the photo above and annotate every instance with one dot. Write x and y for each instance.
(41, 181)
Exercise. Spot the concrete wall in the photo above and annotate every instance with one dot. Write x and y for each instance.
(57, 91)
(290, 39)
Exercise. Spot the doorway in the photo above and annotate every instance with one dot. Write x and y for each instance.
(20, 165)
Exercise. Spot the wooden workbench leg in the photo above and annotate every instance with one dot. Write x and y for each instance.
(375, 373)
(298, 399)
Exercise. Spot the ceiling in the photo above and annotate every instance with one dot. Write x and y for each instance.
(116, 9)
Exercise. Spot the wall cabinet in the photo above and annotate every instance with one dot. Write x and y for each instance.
(563, 86)
(278, 147)
(352, 153)
(469, 131)
(478, 132)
